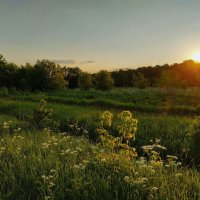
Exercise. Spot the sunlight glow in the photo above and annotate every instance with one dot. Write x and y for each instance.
(196, 57)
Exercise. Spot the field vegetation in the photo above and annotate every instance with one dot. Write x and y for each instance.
(96, 141)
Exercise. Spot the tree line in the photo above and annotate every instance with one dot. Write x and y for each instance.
(47, 75)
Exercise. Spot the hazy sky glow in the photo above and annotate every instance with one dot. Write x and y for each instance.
(99, 34)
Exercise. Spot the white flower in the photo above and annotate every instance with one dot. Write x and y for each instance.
(126, 179)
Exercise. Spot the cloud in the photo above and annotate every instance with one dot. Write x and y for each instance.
(66, 62)
(72, 62)
(87, 62)
(90, 61)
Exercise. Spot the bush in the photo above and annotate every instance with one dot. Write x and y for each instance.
(85, 81)
(140, 81)
(195, 139)
(103, 80)
(3, 92)
(13, 90)
(42, 117)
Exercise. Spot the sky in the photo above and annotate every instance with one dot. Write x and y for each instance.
(99, 34)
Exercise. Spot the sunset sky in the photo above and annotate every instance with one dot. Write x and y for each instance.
(100, 34)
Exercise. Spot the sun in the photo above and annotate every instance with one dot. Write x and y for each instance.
(196, 57)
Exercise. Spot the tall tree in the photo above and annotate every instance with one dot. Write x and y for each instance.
(103, 80)
(85, 81)
(71, 75)
(46, 75)
(140, 81)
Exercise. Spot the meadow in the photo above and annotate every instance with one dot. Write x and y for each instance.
(44, 164)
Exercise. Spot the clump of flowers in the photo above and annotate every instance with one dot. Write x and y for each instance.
(9, 128)
(6, 126)
(105, 119)
(42, 117)
(49, 182)
(127, 126)
(125, 131)
(153, 152)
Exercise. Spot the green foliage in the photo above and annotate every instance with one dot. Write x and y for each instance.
(13, 90)
(3, 92)
(47, 75)
(140, 81)
(105, 119)
(42, 117)
(2, 60)
(103, 80)
(71, 75)
(38, 165)
(8, 74)
(195, 139)
(85, 81)
(125, 129)
(127, 126)
(169, 79)
(24, 84)
(81, 108)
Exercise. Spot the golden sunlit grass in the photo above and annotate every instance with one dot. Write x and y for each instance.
(196, 57)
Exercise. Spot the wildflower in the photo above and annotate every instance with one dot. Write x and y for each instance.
(2, 148)
(105, 119)
(126, 179)
(172, 157)
(154, 189)
(179, 163)
(76, 167)
(161, 147)
(141, 180)
(17, 130)
(43, 177)
(85, 132)
(64, 134)
(85, 161)
(78, 148)
(45, 145)
(67, 151)
(178, 174)
(5, 125)
(51, 184)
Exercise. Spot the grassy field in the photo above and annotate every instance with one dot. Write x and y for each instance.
(163, 114)
(170, 101)
(53, 166)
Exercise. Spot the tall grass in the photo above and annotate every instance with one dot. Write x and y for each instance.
(172, 101)
(172, 130)
(42, 165)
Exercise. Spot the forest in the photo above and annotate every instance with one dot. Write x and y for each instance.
(46, 75)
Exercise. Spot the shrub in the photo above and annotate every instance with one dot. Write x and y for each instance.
(195, 139)
(13, 90)
(85, 81)
(103, 80)
(140, 81)
(3, 92)
(42, 117)
(125, 131)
